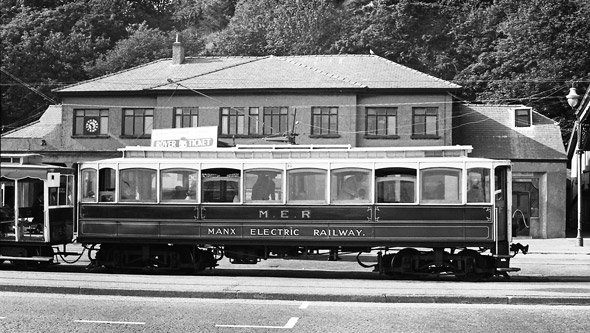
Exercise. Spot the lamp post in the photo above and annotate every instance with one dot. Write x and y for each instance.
(572, 100)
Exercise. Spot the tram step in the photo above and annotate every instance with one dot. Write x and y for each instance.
(508, 269)
(34, 258)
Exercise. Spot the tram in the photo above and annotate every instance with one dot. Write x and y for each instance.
(37, 210)
(424, 211)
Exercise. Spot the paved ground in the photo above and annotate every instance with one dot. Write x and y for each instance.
(321, 280)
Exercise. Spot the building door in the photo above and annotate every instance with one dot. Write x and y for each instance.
(521, 214)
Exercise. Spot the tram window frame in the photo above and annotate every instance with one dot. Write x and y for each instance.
(268, 191)
(134, 185)
(62, 195)
(446, 198)
(181, 193)
(107, 184)
(297, 192)
(88, 185)
(476, 195)
(347, 188)
(221, 176)
(399, 176)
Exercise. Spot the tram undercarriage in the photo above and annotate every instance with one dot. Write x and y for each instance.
(465, 265)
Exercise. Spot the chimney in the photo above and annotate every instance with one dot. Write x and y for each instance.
(177, 51)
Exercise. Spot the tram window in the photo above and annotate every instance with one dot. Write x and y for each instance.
(220, 185)
(88, 185)
(440, 185)
(396, 185)
(350, 185)
(263, 185)
(179, 184)
(137, 185)
(30, 200)
(62, 195)
(478, 185)
(306, 185)
(106, 184)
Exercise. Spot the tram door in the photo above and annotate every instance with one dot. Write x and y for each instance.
(521, 213)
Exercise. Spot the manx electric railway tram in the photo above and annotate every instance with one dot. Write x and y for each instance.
(427, 211)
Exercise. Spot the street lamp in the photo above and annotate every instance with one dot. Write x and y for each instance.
(572, 100)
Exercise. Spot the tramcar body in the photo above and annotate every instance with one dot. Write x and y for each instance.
(257, 202)
(37, 208)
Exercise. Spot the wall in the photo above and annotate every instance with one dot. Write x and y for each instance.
(552, 195)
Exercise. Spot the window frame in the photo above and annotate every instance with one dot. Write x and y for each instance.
(103, 121)
(269, 115)
(145, 131)
(324, 113)
(179, 116)
(425, 113)
(377, 116)
(519, 119)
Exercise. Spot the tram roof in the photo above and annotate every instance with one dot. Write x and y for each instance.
(278, 152)
(307, 153)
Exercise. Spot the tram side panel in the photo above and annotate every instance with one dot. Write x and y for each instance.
(415, 226)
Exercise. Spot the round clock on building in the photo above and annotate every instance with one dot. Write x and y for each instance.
(91, 125)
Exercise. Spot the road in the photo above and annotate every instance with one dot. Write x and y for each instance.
(21, 312)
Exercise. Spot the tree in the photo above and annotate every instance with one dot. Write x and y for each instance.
(280, 28)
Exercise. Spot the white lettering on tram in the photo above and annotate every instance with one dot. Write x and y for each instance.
(285, 214)
(221, 231)
(274, 232)
(338, 232)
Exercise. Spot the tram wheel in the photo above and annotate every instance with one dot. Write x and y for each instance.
(471, 261)
(404, 262)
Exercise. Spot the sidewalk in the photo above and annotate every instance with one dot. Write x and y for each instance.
(555, 245)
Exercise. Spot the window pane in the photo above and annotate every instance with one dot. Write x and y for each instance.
(179, 185)
(440, 185)
(263, 185)
(89, 185)
(396, 185)
(79, 126)
(306, 185)
(350, 185)
(478, 185)
(138, 185)
(104, 125)
(431, 125)
(106, 185)
(220, 185)
(149, 125)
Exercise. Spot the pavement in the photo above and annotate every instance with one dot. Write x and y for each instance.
(321, 280)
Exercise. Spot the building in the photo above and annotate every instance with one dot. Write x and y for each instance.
(360, 100)
(533, 143)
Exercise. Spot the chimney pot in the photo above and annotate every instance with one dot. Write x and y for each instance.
(177, 51)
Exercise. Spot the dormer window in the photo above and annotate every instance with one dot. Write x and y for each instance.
(523, 117)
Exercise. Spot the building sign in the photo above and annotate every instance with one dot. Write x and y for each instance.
(188, 137)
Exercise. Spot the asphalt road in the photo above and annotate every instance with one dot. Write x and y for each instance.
(21, 312)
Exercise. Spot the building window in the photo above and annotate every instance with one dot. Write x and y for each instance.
(522, 117)
(254, 121)
(232, 121)
(186, 117)
(91, 122)
(324, 120)
(381, 121)
(425, 122)
(275, 120)
(138, 122)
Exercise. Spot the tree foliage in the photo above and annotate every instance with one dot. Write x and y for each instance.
(500, 51)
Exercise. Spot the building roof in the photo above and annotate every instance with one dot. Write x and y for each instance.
(490, 130)
(268, 72)
(48, 122)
